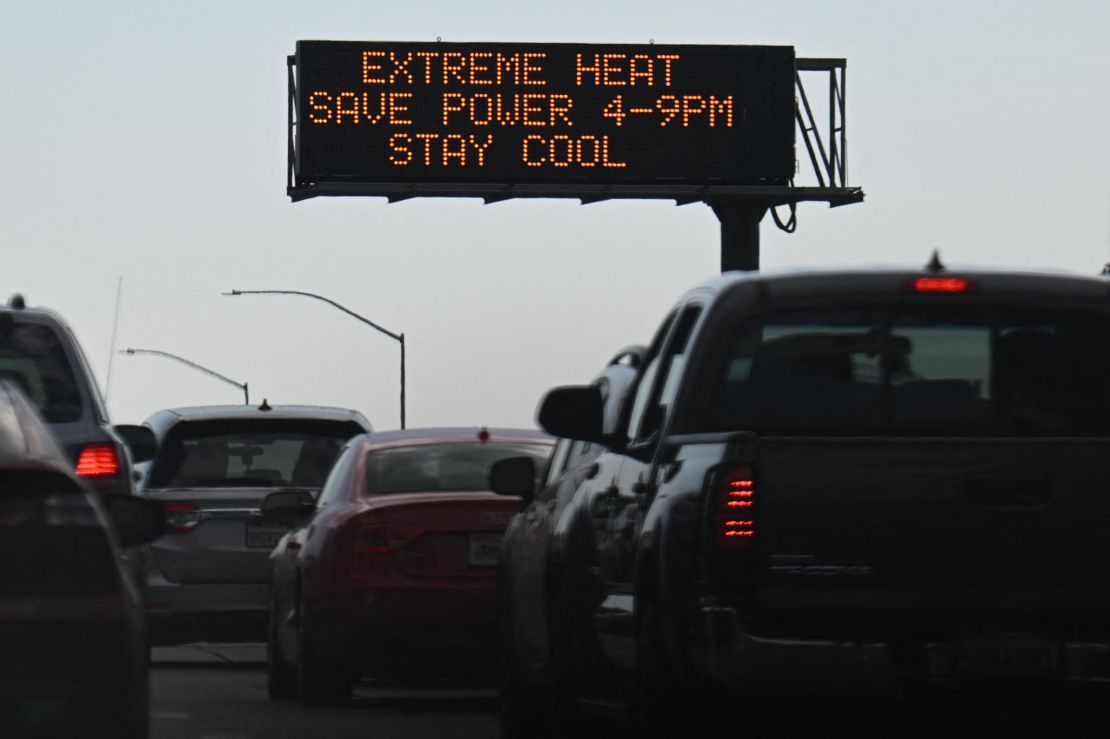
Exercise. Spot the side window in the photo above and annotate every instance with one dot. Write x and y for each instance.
(333, 486)
(658, 392)
(647, 379)
(558, 461)
(577, 451)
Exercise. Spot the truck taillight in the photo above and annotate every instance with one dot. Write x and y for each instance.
(181, 516)
(949, 285)
(734, 524)
(98, 460)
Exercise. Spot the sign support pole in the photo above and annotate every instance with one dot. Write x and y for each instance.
(739, 233)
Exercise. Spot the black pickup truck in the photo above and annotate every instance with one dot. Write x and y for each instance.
(847, 488)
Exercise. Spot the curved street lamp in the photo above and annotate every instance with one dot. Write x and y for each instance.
(155, 352)
(400, 338)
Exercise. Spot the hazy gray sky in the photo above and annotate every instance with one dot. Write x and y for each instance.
(146, 140)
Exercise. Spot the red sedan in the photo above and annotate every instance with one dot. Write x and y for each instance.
(394, 573)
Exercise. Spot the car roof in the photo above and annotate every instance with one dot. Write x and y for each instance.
(452, 433)
(34, 313)
(25, 441)
(94, 412)
(164, 419)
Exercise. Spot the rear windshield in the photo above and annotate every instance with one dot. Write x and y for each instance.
(213, 454)
(32, 357)
(456, 467)
(937, 370)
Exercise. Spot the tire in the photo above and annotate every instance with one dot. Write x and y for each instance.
(281, 679)
(319, 683)
(137, 724)
(666, 705)
(569, 671)
(523, 706)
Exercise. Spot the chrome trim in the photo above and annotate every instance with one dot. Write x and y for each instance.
(206, 514)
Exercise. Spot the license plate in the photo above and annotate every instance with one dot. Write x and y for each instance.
(485, 549)
(266, 534)
(1006, 658)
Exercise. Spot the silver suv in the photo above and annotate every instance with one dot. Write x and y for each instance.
(208, 576)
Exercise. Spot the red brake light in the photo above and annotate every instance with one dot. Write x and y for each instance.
(942, 285)
(734, 522)
(181, 516)
(364, 540)
(98, 460)
(370, 548)
(379, 539)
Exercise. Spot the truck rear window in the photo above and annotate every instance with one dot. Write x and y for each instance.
(236, 453)
(925, 369)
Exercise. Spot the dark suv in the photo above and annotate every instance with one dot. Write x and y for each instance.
(40, 354)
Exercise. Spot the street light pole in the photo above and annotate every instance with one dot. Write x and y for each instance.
(154, 352)
(400, 338)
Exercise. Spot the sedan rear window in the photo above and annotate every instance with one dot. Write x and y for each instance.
(923, 369)
(212, 454)
(454, 466)
(33, 357)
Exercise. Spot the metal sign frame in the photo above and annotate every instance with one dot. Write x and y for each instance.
(829, 165)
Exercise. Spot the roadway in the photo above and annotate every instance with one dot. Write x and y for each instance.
(219, 692)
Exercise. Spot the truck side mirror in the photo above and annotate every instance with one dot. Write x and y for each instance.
(572, 412)
(140, 440)
(514, 476)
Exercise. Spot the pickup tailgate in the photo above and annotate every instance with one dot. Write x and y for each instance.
(854, 530)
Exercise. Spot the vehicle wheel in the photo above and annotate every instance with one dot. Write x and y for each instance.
(281, 679)
(131, 719)
(523, 706)
(319, 683)
(568, 667)
(138, 725)
(665, 706)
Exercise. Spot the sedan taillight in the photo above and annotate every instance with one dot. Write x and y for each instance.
(369, 549)
(73, 510)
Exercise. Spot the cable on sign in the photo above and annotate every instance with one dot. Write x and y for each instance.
(791, 224)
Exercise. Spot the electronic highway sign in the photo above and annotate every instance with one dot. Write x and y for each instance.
(562, 119)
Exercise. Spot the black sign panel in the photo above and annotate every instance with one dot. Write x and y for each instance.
(543, 114)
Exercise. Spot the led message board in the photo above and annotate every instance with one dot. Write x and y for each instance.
(543, 114)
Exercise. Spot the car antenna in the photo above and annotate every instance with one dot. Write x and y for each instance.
(935, 265)
(17, 302)
(265, 406)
